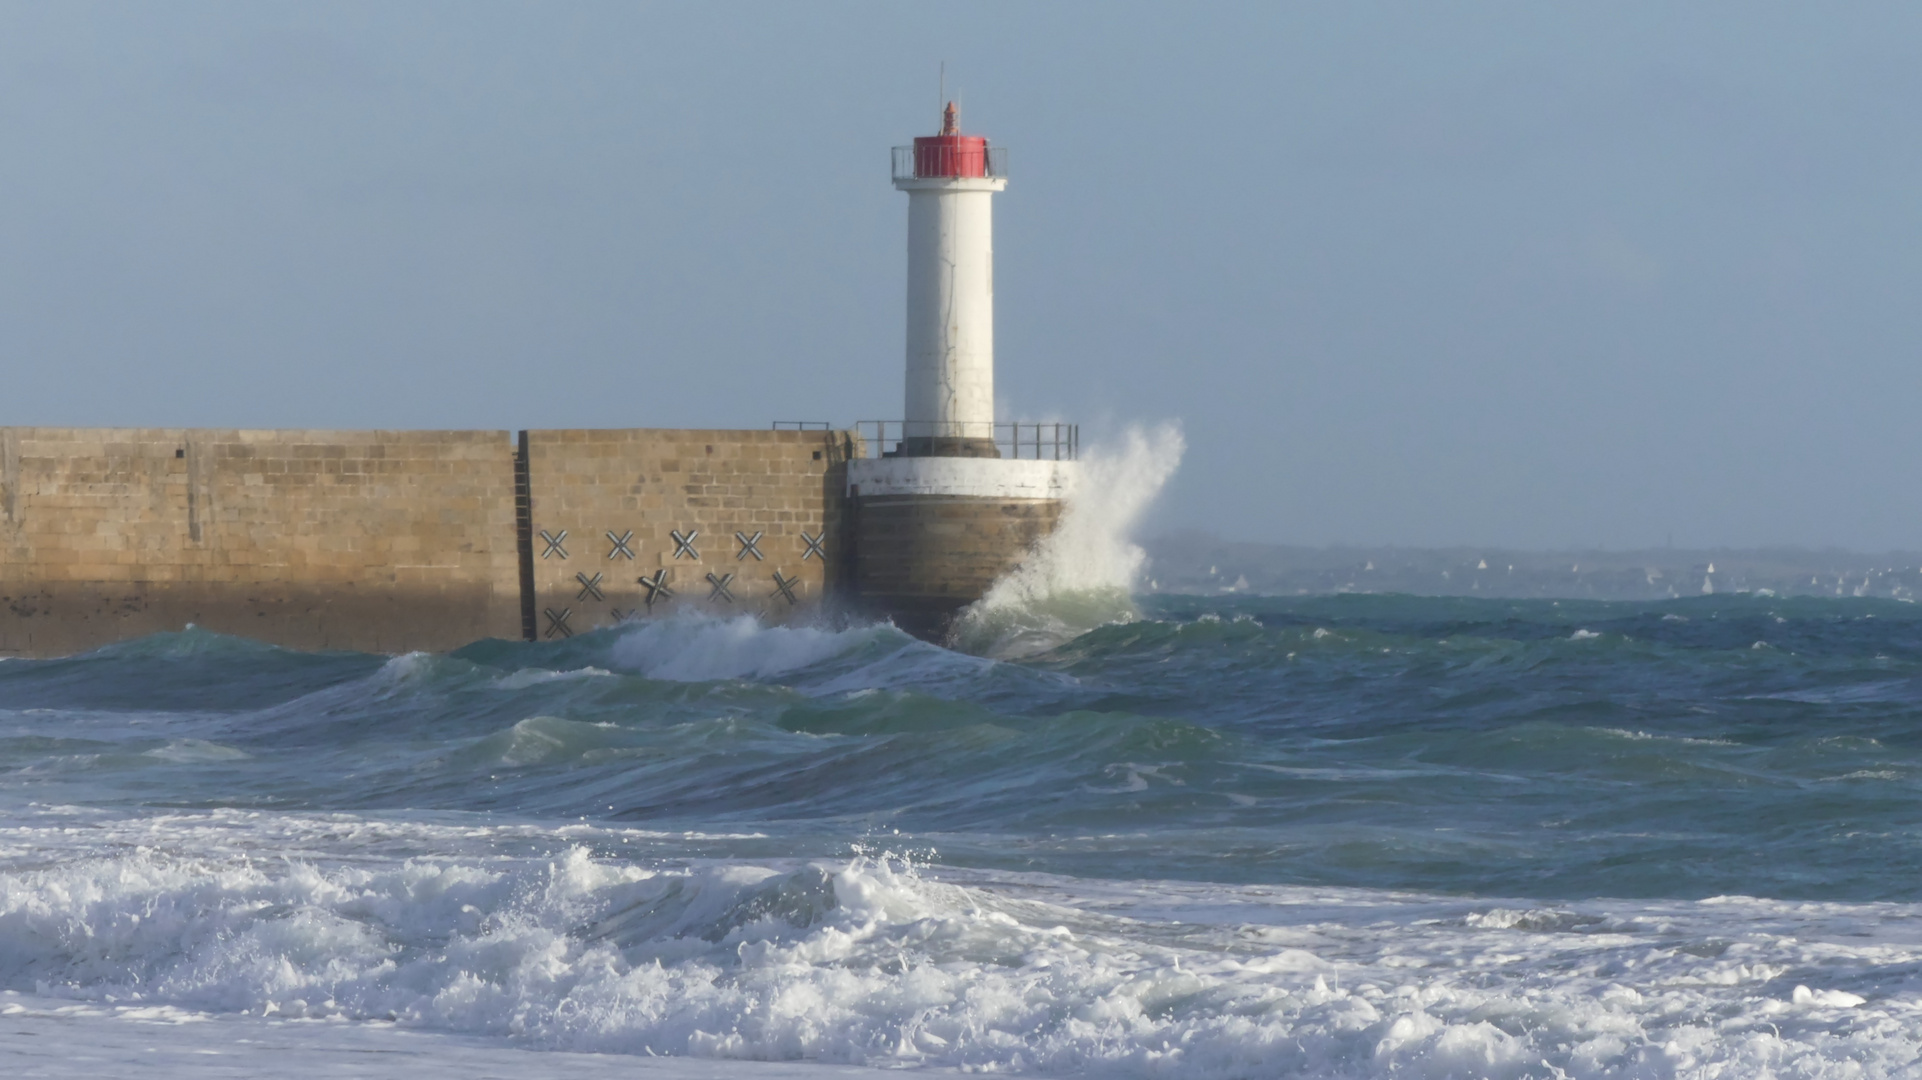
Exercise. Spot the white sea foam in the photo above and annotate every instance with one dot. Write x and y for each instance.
(526, 677)
(813, 660)
(541, 739)
(195, 751)
(873, 962)
(701, 648)
(1082, 574)
(52, 1038)
(405, 669)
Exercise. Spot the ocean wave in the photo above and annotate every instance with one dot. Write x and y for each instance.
(878, 962)
(697, 648)
(1082, 575)
(1351, 741)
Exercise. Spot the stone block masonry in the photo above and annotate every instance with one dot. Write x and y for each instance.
(388, 541)
(725, 522)
(376, 540)
(923, 558)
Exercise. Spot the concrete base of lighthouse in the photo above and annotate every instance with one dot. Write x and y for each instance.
(931, 534)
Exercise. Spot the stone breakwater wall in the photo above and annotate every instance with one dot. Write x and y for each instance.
(387, 541)
(934, 533)
(728, 521)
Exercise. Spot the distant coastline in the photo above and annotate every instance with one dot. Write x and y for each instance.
(1197, 562)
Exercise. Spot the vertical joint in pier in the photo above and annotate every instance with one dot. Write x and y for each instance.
(524, 539)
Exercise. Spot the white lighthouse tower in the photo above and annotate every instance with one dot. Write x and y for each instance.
(959, 501)
(951, 180)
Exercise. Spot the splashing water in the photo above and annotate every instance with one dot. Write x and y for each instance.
(693, 647)
(1082, 575)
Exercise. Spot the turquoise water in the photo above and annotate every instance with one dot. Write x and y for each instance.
(1357, 835)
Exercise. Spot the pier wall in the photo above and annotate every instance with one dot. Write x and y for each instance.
(747, 502)
(389, 541)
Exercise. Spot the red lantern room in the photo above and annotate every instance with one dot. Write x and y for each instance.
(950, 154)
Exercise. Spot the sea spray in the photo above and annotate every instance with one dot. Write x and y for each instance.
(1082, 575)
(695, 647)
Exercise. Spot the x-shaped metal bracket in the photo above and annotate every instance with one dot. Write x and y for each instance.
(720, 590)
(657, 587)
(557, 622)
(621, 544)
(750, 545)
(590, 586)
(814, 546)
(784, 586)
(621, 616)
(554, 543)
(684, 545)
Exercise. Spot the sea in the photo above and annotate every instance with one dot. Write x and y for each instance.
(1097, 833)
(1229, 836)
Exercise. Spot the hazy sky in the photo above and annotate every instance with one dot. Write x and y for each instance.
(1526, 274)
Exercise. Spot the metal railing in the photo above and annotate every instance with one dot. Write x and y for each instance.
(1038, 441)
(942, 162)
(803, 425)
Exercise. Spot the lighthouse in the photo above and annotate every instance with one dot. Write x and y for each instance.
(951, 180)
(946, 500)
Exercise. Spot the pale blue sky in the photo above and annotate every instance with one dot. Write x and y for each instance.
(1515, 274)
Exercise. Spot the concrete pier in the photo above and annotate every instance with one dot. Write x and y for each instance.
(389, 541)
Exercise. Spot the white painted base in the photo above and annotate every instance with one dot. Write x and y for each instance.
(985, 478)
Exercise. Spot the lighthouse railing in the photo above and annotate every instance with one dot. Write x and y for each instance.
(1043, 441)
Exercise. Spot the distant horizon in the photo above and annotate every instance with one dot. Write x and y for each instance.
(1197, 563)
(1153, 535)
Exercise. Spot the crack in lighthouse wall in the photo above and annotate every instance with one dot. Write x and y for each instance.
(950, 308)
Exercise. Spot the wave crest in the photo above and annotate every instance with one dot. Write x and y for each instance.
(1083, 574)
(705, 648)
(867, 961)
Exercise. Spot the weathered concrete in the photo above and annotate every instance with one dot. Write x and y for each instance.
(930, 535)
(379, 540)
(388, 540)
(971, 477)
(599, 486)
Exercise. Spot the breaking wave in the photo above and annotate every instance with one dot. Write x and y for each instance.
(1082, 575)
(701, 648)
(1231, 837)
(872, 961)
